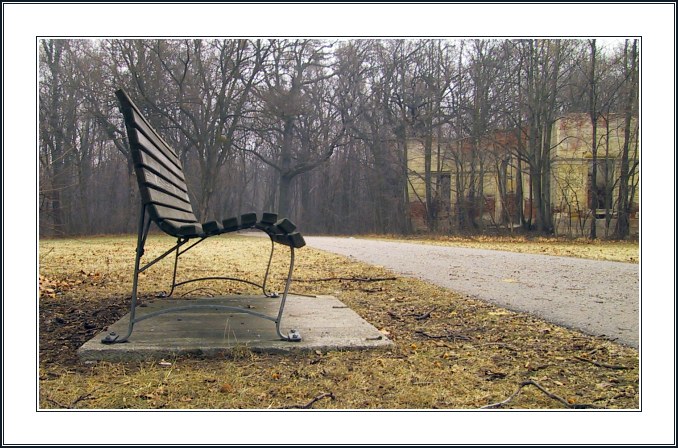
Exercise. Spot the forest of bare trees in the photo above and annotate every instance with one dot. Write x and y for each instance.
(319, 130)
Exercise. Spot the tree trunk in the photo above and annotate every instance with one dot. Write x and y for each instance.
(284, 195)
(594, 138)
(428, 179)
(624, 201)
(520, 199)
(545, 209)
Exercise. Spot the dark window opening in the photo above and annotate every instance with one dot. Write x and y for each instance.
(444, 192)
(600, 191)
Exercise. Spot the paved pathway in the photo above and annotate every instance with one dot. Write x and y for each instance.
(596, 297)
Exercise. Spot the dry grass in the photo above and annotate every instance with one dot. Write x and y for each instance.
(466, 355)
(624, 251)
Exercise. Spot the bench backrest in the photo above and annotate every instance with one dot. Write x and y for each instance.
(159, 172)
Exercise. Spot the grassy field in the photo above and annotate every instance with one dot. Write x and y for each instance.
(451, 352)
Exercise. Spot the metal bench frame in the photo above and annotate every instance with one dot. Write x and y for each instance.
(282, 232)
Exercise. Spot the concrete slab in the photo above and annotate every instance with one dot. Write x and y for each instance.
(324, 322)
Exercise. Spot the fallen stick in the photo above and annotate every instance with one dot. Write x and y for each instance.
(76, 401)
(61, 405)
(425, 315)
(600, 364)
(545, 391)
(348, 279)
(310, 403)
(81, 398)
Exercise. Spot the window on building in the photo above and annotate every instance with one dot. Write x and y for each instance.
(490, 204)
(444, 190)
(600, 190)
(512, 207)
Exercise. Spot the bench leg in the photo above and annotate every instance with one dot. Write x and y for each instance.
(293, 335)
(141, 240)
(271, 294)
(174, 274)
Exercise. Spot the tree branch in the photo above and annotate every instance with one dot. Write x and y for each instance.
(348, 279)
(308, 405)
(542, 389)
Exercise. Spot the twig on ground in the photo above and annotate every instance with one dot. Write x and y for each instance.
(371, 290)
(545, 391)
(449, 335)
(81, 398)
(426, 315)
(61, 405)
(348, 279)
(600, 364)
(76, 401)
(43, 256)
(308, 405)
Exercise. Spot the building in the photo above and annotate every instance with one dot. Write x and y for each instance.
(486, 182)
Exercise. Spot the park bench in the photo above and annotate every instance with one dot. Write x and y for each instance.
(165, 202)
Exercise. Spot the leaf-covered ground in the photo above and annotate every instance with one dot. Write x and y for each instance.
(450, 351)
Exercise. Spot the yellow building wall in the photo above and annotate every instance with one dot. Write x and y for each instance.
(441, 158)
(572, 139)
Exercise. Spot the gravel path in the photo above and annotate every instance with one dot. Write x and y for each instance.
(600, 298)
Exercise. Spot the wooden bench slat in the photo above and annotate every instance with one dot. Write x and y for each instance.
(149, 150)
(145, 125)
(162, 212)
(151, 195)
(149, 178)
(136, 114)
(152, 166)
(177, 228)
(148, 131)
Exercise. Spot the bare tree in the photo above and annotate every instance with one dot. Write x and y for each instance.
(324, 130)
(625, 198)
(296, 122)
(200, 88)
